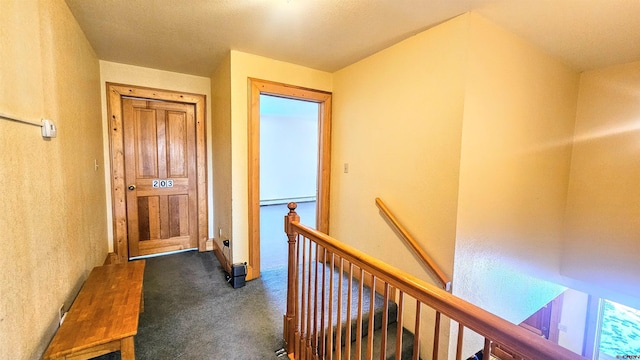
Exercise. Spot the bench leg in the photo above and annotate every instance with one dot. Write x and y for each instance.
(127, 350)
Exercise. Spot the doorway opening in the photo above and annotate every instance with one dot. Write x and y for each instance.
(320, 102)
(285, 124)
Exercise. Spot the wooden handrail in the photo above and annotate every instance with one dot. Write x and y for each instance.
(413, 244)
(492, 327)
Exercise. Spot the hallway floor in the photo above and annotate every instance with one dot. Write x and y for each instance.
(192, 313)
(273, 240)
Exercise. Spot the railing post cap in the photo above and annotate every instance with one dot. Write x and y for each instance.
(292, 207)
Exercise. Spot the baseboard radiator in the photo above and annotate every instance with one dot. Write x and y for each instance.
(318, 301)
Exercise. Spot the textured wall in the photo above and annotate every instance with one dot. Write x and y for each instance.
(465, 131)
(398, 124)
(52, 216)
(221, 129)
(514, 170)
(601, 249)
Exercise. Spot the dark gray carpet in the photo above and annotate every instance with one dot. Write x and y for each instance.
(192, 313)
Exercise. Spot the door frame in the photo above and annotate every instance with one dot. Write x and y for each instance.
(323, 99)
(115, 92)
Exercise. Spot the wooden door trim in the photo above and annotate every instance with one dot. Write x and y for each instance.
(323, 99)
(115, 92)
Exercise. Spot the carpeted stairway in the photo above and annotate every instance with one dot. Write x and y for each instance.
(407, 337)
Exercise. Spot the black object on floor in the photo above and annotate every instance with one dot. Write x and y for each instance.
(238, 275)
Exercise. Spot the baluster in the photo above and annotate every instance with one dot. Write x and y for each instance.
(297, 300)
(347, 343)
(303, 299)
(436, 336)
(385, 322)
(372, 305)
(339, 315)
(399, 325)
(323, 325)
(314, 344)
(359, 320)
(459, 342)
(290, 320)
(309, 287)
(486, 352)
(416, 339)
(329, 352)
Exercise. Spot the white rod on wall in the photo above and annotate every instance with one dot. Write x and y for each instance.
(13, 118)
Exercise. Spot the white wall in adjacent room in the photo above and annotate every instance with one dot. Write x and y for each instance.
(288, 150)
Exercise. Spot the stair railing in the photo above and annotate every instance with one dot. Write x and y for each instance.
(422, 255)
(312, 323)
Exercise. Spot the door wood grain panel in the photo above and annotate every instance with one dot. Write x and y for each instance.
(177, 144)
(159, 142)
(145, 130)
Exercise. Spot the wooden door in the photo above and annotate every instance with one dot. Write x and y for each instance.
(160, 176)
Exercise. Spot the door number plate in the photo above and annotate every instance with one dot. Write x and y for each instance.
(162, 183)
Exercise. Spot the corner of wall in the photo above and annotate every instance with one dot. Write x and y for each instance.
(514, 172)
(600, 249)
(221, 148)
(243, 66)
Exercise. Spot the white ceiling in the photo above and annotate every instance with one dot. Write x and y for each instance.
(193, 36)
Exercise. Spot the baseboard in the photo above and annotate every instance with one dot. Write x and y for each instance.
(226, 264)
(221, 258)
(287, 200)
(111, 258)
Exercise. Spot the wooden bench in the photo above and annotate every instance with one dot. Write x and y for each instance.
(104, 316)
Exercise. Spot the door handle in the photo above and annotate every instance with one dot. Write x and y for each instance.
(132, 187)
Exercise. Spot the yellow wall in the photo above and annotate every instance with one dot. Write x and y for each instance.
(602, 227)
(221, 128)
(244, 66)
(159, 79)
(465, 131)
(53, 221)
(397, 123)
(514, 170)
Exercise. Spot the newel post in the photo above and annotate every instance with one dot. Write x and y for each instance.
(290, 321)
